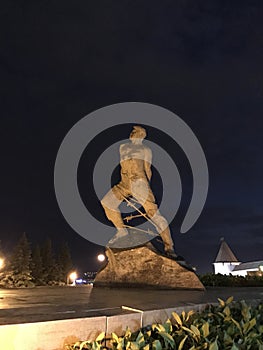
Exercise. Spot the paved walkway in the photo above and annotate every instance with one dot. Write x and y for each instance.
(53, 303)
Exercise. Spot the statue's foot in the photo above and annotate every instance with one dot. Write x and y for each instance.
(121, 233)
(179, 259)
(170, 253)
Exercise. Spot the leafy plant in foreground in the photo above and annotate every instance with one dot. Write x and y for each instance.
(228, 325)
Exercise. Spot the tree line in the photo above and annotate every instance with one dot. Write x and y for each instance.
(38, 266)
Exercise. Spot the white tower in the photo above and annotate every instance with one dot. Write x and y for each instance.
(225, 260)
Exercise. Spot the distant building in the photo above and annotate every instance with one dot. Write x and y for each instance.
(226, 260)
(226, 263)
(89, 276)
(249, 268)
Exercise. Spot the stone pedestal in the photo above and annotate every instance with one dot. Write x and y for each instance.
(145, 267)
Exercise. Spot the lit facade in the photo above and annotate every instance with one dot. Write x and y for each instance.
(226, 263)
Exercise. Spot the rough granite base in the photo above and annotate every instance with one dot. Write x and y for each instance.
(145, 267)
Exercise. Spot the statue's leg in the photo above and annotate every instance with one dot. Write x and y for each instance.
(161, 225)
(143, 194)
(110, 203)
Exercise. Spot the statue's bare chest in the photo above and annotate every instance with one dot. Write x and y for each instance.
(132, 152)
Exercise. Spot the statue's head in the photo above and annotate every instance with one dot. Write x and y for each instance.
(138, 133)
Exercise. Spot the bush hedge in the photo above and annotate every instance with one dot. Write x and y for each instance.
(228, 325)
(220, 280)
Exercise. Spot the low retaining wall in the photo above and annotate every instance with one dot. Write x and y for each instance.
(54, 335)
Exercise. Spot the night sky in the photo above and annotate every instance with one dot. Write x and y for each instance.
(203, 60)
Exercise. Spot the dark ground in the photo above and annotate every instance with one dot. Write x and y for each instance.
(54, 303)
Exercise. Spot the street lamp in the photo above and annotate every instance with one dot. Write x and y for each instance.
(2, 263)
(72, 276)
(101, 257)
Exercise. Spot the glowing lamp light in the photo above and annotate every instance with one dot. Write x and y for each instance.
(101, 257)
(73, 276)
(2, 263)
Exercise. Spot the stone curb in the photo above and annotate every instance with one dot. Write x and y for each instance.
(54, 335)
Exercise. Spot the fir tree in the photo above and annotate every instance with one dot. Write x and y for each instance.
(37, 266)
(47, 259)
(65, 261)
(51, 269)
(20, 262)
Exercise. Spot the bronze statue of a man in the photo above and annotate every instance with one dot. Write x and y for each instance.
(135, 162)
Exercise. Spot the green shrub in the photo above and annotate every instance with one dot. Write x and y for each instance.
(220, 280)
(229, 325)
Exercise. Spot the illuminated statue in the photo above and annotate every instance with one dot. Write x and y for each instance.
(135, 162)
